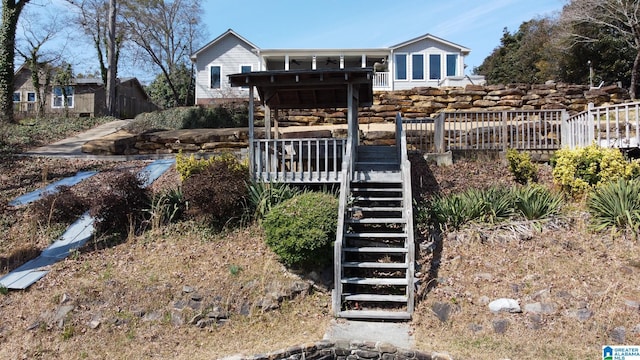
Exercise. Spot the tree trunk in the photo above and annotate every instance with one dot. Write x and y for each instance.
(634, 76)
(10, 13)
(112, 71)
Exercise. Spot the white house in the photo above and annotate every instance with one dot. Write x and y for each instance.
(423, 61)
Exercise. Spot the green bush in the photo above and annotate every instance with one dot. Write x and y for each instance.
(491, 205)
(301, 230)
(195, 117)
(455, 210)
(166, 207)
(580, 169)
(537, 202)
(616, 205)
(217, 193)
(523, 170)
(264, 196)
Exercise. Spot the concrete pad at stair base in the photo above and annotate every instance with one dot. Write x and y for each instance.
(398, 334)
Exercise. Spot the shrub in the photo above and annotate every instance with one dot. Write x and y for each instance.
(221, 116)
(264, 196)
(189, 165)
(496, 204)
(218, 192)
(63, 206)
(523, 170)
(166, 207)
(301, 230)
(616, 205)
(537, 202)
(579, 169)
(118, 205)
(456, 210)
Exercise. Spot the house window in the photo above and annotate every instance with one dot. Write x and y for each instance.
(31, 96)
(452, 61)
(401, 66)
(434, 66)
(245, 69)
(58, 97)
(16, 96)
(215, 77)
(417, 70)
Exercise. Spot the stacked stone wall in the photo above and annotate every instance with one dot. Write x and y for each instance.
(428, 102)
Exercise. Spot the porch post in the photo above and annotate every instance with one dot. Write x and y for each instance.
(267, 122)
(364, 60)
(276, 132)
(286, 62)
(341, 61)
(251, 135)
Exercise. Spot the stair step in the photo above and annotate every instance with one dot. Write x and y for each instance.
(378, 235)
(376, 298)
(375, 208)
(376, 249)
(377, 198)
(359, 188)
(374, 281)
(375, 265)
(366, 176)
(374, 220)
(375, 314)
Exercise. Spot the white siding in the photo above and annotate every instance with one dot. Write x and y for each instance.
(426, 47)
(230, 53)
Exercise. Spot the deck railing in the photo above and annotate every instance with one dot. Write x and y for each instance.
(299, 160)
(381, 80)
(487, 130)
(608, 126)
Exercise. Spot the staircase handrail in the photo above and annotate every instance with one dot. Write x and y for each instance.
(345, 190)
(405, 167)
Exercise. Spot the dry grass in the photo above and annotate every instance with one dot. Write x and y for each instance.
(147, 274)
(565, 265)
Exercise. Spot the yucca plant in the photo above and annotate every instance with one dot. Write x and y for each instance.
(536, 202)
(264, 196)
(166, 207)
(456, 210)
(616, 205)
(497, 204)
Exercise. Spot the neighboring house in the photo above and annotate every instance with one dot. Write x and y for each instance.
(84, 97)
(423, 61)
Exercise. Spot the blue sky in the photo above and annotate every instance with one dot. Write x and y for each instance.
(475, 24)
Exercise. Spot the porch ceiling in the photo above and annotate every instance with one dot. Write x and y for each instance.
(306, 89)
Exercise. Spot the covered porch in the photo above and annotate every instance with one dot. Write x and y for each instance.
(304, 158)
(380, 60)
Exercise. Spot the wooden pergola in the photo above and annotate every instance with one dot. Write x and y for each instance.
(305, 89)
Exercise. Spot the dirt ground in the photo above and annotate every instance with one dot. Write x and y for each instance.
(577, 290)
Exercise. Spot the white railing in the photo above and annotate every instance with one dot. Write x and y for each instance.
(487, 130)
(616, 126)
(407, 201)
(381, 80)
(298, 160)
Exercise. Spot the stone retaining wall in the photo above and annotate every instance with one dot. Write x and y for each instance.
(414, 103)
(343, 350)
(428, 102)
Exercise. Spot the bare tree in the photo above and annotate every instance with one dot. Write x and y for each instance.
(166, 33)
(11, 10)
(101, 21)
(620, 16)
(36, 33)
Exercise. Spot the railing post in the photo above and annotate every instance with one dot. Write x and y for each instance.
(439, 133)
(505, 139)
(590, 123)
(252, 171)
(399, 135)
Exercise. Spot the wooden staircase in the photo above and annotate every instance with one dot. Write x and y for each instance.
(374, 249)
